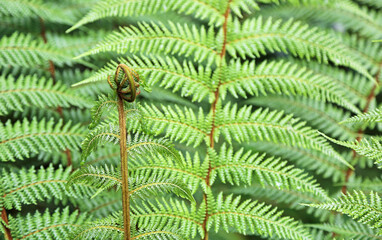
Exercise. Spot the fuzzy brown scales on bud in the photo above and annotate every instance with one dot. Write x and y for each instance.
(126, 83)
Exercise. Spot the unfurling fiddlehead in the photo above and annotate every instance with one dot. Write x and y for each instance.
(126, 84)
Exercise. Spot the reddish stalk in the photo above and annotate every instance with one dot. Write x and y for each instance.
(7, 231)
(213, 110)
(370, 98)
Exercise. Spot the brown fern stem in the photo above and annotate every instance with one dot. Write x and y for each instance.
(124, 169)
(213, 110)
(7, 231)
(369, 99)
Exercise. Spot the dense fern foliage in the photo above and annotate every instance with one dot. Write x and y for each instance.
(275, 119)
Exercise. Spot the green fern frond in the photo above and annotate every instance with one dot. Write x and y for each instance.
(101, 177)
(368, 117)
(362, 208)
(23, 50)
(371, 147)
(190, 171)
(104, 133)
(322, 116)
(288, 198)
(28, 186)
(156, 38)
(262, 125)
(50, 226)
(254, 37)
(362, 20)
(350, 230)
(35, 8)
(110, 227)
(182, 125)
(212, 10)
(101, 205)
(313, 160)
(249, 216)
(141, 144)
(142, 186)
(109, 104)
(356, 87)
(239, 166)
(166, 234)
(34, 91)
(20, 139)
(374, 3)
(161, 213)
(281, 78)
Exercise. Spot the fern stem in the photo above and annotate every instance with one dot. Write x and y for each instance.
(7, 231)
(370, 98)
(213, 110)
(124, 169)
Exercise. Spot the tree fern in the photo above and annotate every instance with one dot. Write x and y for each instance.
(239, 86)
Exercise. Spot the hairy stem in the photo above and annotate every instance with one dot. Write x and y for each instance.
(369, 99)
(124, 169)
(213, 110)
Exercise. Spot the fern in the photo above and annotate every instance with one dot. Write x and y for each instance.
(365, 209)
(242, 87)
(34, 91)
(21, 139)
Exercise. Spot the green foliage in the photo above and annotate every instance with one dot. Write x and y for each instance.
(20, 139)
(364, 208)
(242, 87)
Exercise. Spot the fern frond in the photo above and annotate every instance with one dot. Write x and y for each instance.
(322, 116)
(362, 20)
(141, 144)
(212, 10)
(288, 198)
(350, 230)
(190, 171)
(50, 226)
(168, 72)
(281, 78)
(166, 234)
(182, 125)
(35, 8)
(23, 50)
(101, 205)
(249, 216)
(104, 133)
(156, 38)
(20, 139)
(28, 186)
(110, 227)
(34, 91)
(356, 87)
(371, 148)
(177, 214)
(242, 125)
(142, 186)
(101, 178)
(322, 164)
(368, 117)
(239, 166)
(254, 37)
(362, 208)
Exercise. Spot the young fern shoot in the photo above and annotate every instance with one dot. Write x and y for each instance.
(125, 83)
(126, 87)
